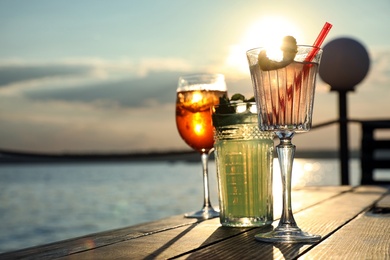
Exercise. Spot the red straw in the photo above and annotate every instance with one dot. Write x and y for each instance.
(320, 39)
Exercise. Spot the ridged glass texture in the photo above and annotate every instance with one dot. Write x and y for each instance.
(244, 166)
(285, 95)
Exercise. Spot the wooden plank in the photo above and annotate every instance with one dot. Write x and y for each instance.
(324, 219)
(384, 203)
(381, 163)
(146, 245)
(164, 244)
(301, 199)
(382, 206)
(182, 240)
(369, 145)
(382, 144)
(88, 242)
(376, 123)
(365, 237)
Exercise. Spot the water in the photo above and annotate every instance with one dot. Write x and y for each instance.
(44, 203)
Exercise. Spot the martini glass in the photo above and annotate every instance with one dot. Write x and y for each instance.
(284, 97)
(196, 94)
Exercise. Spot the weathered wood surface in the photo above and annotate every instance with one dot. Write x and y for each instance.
(365, 237)
(324, 219)
(340, 214)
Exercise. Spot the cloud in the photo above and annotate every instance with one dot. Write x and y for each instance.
(102, 105)
(159, 87)
(22, 73)
(66, 126)
(102, 82)
(379, 73)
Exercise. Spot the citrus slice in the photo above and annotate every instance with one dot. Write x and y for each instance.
(289, 48)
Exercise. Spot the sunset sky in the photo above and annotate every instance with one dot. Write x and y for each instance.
(101, 76)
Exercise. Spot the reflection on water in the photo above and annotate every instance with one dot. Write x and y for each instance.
(43, 203)
(310, 172)
(318, 172)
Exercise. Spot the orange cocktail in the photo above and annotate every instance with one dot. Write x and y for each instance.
(195, 94)
(193, 117)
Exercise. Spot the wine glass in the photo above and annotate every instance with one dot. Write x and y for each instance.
(284, 94)
(195, 96)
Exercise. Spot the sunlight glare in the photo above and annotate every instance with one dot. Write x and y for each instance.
(196, 97)
(304, 173)
(198, 124)
(266, 32)
(198, 129)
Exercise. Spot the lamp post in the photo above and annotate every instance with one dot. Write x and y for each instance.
(344, 64)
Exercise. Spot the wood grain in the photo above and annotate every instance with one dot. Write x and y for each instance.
(365, 237)
(323, 219)
(178, 241)
(339, 214)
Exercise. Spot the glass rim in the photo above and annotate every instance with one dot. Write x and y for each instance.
(234, 103)
(299, 45)
(193, 75)
(201, 81)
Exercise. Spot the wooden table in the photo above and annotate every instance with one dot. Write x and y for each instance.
(342, 215)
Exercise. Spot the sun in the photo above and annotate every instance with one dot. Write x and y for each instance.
(266, 32)
(269, 31)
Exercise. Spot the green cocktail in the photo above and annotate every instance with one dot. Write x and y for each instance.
(244, 158)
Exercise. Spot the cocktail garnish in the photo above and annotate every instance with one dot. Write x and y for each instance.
(225, 113)
(237, 97)
(289, 48)
(224, 102)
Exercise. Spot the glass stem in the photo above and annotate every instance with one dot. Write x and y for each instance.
(286, 151)
(205, 159)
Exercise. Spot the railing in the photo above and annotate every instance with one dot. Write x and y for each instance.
(369, 146)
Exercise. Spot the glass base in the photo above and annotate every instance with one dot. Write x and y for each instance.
(245, 221)
(290, 235)
(205, 213)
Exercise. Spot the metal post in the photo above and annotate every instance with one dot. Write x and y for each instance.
(343, 135)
